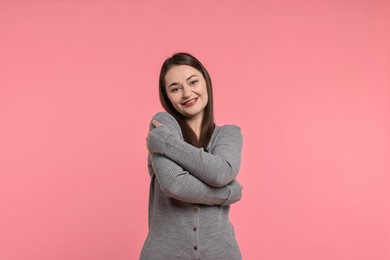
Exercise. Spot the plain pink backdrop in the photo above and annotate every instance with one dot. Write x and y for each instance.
(307, 81)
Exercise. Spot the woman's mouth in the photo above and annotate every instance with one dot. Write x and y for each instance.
(190, 102)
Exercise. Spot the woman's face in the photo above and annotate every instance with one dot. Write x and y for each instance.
(186, 89)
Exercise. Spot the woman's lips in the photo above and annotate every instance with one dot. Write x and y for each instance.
(190, 102)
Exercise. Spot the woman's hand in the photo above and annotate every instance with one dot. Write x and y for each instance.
(156, 123)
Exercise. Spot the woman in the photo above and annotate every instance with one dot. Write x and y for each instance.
(193, 166)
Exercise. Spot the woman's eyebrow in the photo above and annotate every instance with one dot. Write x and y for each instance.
(190, 77)
(175, 83)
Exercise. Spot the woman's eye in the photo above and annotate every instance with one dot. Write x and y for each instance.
(193, 82)
(174, 90)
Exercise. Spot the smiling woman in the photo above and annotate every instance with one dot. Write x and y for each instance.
(177, 72)
(188, 94)
(193, 166)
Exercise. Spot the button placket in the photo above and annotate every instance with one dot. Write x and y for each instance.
(195, 229)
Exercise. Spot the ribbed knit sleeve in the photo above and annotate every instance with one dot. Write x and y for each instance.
(178, 183)
(217, 169)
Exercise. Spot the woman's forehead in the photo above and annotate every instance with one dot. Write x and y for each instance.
(181, 72)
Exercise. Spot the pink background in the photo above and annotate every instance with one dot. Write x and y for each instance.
(307, 81)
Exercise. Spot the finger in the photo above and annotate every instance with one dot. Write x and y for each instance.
(156, 123)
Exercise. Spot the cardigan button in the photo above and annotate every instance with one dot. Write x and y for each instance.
(195, 210)
(195, 248)
(194, 229)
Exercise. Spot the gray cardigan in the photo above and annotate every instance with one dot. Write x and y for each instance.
(190, 194)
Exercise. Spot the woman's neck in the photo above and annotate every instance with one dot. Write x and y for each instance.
(196, 124)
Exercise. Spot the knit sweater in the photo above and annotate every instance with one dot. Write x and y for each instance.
(191, 191)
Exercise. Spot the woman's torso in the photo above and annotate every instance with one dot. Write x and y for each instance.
(180, 230)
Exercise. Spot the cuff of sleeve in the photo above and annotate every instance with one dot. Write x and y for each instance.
(235, 193)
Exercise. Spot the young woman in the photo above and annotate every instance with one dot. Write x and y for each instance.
(193, 166)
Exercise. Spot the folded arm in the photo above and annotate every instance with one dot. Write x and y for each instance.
(178, 183)
(216, 169)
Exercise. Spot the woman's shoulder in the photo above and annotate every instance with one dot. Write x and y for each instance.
(226, 134)
(228, 128)
(166, 119)
(163, 116)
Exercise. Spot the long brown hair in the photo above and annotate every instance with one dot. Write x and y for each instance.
(208, 125)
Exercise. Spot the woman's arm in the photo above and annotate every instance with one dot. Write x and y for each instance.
(216, 169)
(178, 183)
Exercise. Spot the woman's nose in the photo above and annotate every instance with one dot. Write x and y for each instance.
(186, 92)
